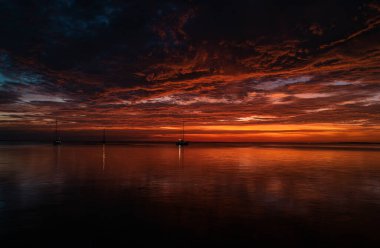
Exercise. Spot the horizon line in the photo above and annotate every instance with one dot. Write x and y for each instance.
(197, 142)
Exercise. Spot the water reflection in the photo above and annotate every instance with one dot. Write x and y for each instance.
(181, 155)
(57, 156)
(223, 194)
(103, 157)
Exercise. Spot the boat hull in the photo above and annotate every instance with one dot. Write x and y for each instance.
(182, 143)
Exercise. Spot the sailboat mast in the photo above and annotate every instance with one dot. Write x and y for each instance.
(56, 129)
(183, 130)
(57, 140)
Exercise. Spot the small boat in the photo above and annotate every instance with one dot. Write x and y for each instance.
(57, 140)
(182, 142)
(104, 136)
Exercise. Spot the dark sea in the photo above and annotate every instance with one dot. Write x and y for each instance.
(203, 195)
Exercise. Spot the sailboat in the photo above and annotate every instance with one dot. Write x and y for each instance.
(182, 142)
(57, 140)
(104, 136)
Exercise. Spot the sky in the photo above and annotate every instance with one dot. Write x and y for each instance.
(247, 71)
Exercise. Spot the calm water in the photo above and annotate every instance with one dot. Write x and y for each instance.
(202, 195)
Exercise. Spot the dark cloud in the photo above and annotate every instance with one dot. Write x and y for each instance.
(8, 97)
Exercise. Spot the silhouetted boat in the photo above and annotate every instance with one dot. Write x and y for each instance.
(104, 136)
(57, 140)
(182, 142)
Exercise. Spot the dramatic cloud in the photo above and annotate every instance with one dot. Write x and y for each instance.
(140, 68)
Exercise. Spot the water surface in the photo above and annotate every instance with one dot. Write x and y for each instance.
(202, 195)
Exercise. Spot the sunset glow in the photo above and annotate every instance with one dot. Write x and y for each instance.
(189, 123)
(303, 76)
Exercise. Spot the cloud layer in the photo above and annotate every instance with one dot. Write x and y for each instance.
(233, 66)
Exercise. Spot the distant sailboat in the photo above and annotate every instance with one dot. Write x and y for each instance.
(182, 142)
(104, 136)
(57, 140)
